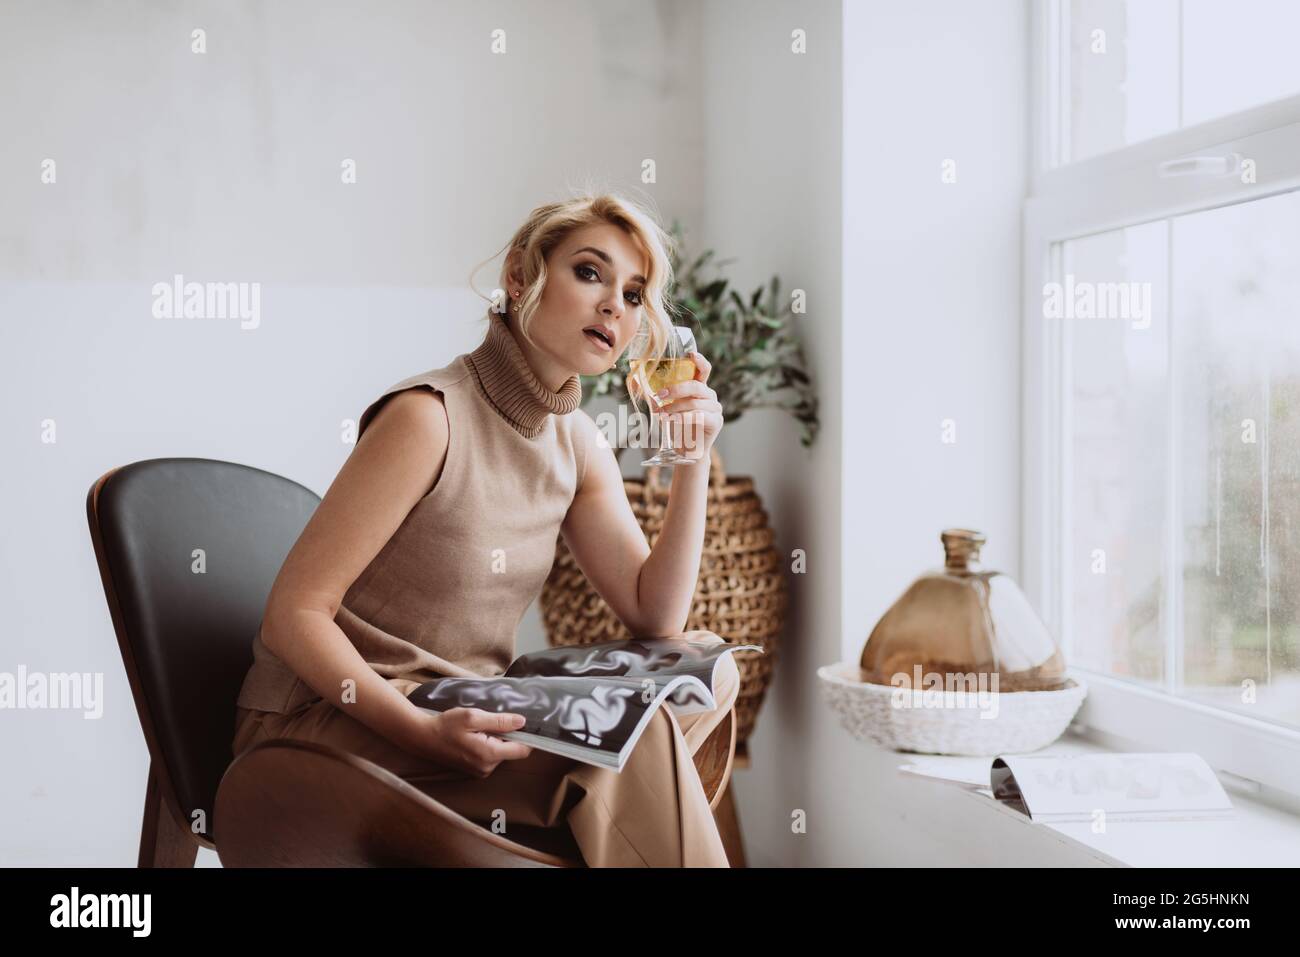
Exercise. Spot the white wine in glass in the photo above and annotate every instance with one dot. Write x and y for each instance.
(653, 374)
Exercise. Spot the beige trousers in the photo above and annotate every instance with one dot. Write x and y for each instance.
(652, 814)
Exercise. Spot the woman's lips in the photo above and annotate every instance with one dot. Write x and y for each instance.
(598, 341)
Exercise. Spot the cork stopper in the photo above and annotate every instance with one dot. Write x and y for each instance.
(961, 549)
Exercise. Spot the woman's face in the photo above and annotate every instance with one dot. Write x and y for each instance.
(594, 281)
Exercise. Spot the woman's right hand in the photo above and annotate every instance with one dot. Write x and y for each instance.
(462, 738)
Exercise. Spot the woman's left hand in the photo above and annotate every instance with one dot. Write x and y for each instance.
(695, 411)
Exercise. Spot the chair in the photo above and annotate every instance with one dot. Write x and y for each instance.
(187, 551)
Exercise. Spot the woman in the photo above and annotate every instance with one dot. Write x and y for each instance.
(440, 529)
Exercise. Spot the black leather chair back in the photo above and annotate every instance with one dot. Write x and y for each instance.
(188, 550)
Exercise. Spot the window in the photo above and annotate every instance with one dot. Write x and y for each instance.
(1141, 68)
(1162, 372)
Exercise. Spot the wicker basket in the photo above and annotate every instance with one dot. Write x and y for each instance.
(1024, 720)
(740, 594)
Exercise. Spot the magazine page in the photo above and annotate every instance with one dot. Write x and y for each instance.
(1125, 787)
(659, 659)
(594, 720)
(685, 700)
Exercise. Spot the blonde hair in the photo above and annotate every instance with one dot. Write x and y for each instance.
(547, 226)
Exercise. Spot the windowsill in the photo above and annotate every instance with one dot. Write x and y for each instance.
(1259, 835)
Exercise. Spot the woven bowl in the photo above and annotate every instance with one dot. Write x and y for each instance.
(949, 722)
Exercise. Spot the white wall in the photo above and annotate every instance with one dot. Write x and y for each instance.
(913, 317)
(931, 332)
(772, 201)
(225, 166)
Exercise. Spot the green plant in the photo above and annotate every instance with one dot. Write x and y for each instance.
(757, 360)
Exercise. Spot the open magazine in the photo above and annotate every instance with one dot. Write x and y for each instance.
(591, 702)
(1078, 788)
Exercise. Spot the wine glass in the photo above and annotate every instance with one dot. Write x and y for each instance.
(652, 373)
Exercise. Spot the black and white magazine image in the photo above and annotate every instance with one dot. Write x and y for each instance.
(578, 711)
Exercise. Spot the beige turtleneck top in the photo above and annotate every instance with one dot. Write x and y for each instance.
(445, 594)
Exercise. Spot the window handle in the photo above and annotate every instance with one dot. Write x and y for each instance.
(1202, 166)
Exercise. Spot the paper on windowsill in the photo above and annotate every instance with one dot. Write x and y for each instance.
(1075, 787)
(969, 773)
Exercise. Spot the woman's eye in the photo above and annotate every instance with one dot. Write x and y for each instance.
(590, 273)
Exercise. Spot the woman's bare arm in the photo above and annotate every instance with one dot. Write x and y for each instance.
(395, 463)
(649, 591)
(602, 533)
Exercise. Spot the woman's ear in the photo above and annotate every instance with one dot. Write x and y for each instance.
(514, 274)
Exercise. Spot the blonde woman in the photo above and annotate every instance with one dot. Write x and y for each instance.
(440, 529)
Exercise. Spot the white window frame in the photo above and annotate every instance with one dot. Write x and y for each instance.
(1107, 192)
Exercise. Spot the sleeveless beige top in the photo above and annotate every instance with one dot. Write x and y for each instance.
(446, 593)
